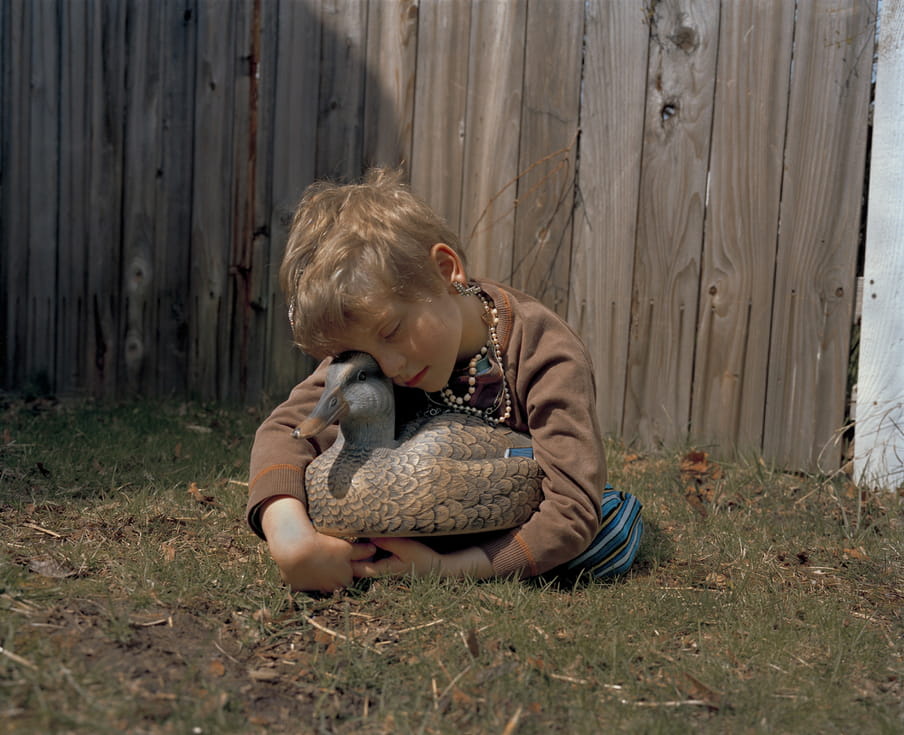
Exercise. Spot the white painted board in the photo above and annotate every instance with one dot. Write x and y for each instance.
(879, 428)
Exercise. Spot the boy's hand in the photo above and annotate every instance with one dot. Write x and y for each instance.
(412, 556)
(308, 560)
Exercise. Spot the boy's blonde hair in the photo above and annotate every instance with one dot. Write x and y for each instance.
(351, 247)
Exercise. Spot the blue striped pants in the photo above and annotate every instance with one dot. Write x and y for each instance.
(613, 549)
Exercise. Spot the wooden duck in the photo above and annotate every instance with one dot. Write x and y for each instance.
(445, 474)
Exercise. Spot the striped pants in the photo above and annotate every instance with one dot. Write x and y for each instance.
(613, 549)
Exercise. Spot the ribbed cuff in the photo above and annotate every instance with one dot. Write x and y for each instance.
(510, 556)
(271, 482)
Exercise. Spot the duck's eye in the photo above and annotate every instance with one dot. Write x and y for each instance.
(362, 376)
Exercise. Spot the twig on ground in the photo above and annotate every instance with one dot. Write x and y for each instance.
(512, 724)
(18, 659)
(323, 629)
(36, 527)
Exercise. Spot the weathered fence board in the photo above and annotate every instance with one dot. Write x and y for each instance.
(660, 173)
(74, 211)
(879, 450)
(43, 203)
(143, 143)
(680, 80)
(820, 219)
(744, 192)
(608, 177)
(444, 29)
(255, 240)
(212, 211)
(17, 360)
(391, 63)
(105, 273)
(173, 184)
(549, 122)
(492, 132)
(295, 114)
(340, 132)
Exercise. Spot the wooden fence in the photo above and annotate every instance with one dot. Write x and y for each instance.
(682, 179)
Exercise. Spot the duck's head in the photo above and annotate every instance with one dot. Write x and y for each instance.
(357, 394)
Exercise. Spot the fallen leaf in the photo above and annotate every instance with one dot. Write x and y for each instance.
(472, 643)
(198, 495)
(695, 500)
(47, 567)
(858, 553)
(696, 464)
(216, 668)
(698, 690)
(263, 674)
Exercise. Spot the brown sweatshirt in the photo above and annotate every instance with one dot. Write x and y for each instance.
(551, 381)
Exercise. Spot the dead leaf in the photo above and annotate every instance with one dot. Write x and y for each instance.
(695, 500)
(696, 464)
(216, 668)
(858, 553)
(696, 689)
(48, 567)
(198, 495)
(472, 643)
(263, 674)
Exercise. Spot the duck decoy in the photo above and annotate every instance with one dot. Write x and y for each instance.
(442, 474)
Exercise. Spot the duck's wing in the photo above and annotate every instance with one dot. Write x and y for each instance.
(403, 493)
(459, 436)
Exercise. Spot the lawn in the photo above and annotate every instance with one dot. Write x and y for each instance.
(134, 599)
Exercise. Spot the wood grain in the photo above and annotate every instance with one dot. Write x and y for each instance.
(745, 174)
(444, 29)
(340, 134)
(879, 443)
(392, 41)
(492, 133)
(152, 152)
(608, 177)
(680, 86)
(548, 150)
(817, 246)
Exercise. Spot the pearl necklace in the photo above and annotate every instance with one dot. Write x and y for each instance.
(460, 403)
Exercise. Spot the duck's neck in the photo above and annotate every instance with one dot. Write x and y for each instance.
(370, 434)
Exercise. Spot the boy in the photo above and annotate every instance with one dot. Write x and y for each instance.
(370, 267)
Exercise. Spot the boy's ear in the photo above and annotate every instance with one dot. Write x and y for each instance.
(449, 264)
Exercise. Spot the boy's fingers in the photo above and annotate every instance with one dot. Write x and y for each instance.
(362, 551)
(373, 568)
(393, 545)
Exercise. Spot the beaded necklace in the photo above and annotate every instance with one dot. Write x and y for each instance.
(461, 403)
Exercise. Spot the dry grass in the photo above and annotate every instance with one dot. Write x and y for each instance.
(134, 599)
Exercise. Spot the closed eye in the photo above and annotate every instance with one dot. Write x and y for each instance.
(393, 332)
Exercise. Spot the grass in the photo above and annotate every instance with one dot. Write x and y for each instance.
(134, 599)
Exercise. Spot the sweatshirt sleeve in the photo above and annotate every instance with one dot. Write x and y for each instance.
(278, 461)
(555, 401)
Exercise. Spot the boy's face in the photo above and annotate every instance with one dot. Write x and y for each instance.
(418, 343)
